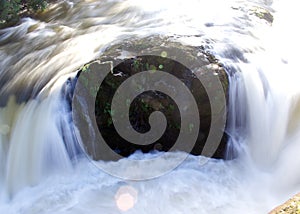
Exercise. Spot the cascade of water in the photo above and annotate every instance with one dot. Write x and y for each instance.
(236, 119)
(36, 141)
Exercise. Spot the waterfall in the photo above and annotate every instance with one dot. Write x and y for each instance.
(42, 166)
(237, 124)
(33, 141)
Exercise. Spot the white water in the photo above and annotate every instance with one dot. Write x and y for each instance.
(34, 180)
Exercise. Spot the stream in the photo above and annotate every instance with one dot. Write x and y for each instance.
(42, 168)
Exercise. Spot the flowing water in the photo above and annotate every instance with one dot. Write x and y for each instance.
(41, 167)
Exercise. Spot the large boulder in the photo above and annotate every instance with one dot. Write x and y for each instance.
(165, 54)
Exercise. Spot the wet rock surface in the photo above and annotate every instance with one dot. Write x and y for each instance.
(292, 206)
(158, 53)
(258, 12)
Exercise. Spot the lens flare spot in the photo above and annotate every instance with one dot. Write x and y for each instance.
(164, 54)
(126, 197)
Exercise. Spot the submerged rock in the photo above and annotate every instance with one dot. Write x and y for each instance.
(262, 14)
(259, 12)
(186, 63)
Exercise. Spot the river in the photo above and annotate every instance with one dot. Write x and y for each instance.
(41, 170)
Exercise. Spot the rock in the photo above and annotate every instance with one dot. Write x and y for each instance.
(259, 12)
(292, 206)
(158, 53)
(262, 14)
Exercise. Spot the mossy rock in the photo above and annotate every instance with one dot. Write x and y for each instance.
(162, 54)
(292, 206)
(259, 12)
(262, 14)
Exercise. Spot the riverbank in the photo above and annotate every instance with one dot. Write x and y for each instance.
(12, 12)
